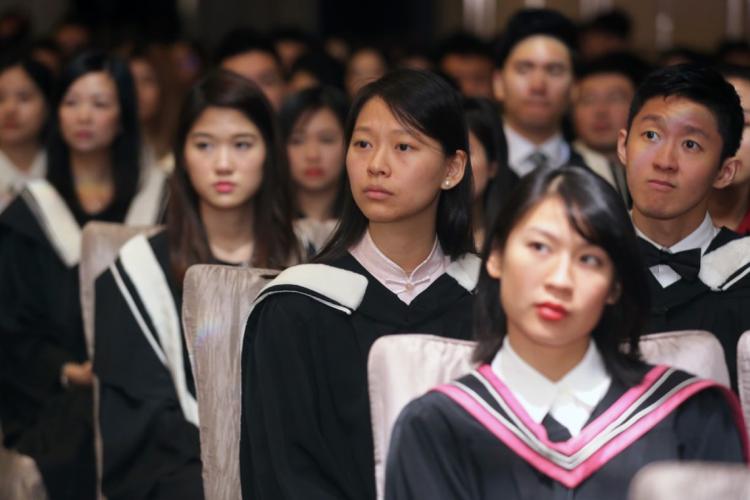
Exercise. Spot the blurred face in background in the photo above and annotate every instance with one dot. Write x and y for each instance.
(22, 108)
(600, 109)
(365, 66)
(742, 176)
(147, 89)
(534, 86)
(89, 113)
(262, 69)
(316, 151)
(472, 72)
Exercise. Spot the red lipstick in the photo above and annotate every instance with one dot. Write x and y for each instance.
(224, 187)
(314, 172)
(550, 311)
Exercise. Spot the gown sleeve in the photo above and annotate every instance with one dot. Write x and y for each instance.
(707, 429)
(426, 458)
(35, 339)
(284, 453)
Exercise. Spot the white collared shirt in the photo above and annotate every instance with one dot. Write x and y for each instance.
(700, 238)
(570, 401)
(392, 276)
(556, 149)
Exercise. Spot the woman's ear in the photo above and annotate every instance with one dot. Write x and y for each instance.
(494, 264)
(456, 167)
(614, 294)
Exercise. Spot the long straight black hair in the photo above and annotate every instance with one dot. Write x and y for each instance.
(597, 213)
(275, 245)
(424, 102)
(126, 146)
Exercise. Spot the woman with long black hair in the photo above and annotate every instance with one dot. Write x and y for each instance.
(228, 204)
(400, 261)
(93, 174)
(561, 405)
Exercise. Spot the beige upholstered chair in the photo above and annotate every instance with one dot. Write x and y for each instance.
(403, 367)
(101, 242)
(691, 481)
(743, 375)
(19, 477)
(215, 306)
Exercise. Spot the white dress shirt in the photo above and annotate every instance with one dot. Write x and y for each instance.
(570, 400)
(392, 276)
(700, 238)
(556, 149)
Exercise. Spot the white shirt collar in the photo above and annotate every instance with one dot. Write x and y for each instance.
(392, 276)
(700, 238)
(556, 149)
(571, 400)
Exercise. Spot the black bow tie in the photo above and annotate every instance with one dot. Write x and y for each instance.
(687, 264)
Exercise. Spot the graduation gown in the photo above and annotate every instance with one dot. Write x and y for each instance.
(148, 414)
(13, 180)
(41, 329)
(306, 431)
(471, 439)
(716, 301)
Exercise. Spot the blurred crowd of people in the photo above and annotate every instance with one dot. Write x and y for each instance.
(395, 162)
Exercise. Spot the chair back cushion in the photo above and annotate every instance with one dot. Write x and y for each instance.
(215, 306)
(691, 481)
(743, 376)
(101, 242)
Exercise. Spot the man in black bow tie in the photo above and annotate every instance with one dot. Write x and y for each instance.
(684, 128)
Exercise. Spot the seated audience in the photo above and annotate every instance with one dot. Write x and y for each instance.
(93, 174)
(557, 409)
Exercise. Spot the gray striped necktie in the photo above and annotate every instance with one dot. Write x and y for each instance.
(539, 160)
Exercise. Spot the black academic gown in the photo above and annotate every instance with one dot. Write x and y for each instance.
(722, 308)
(306, 431)
(149, 449)
(40, 330)
(445, 449)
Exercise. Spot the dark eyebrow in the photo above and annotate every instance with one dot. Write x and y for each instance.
(695, 130)
(544, 233)
(652, 118)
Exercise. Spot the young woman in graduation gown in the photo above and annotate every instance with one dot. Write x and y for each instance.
(400, 261)
(228, 204)
(25, 94)
(556, 408)
(93, 174)
(312, 123)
